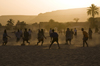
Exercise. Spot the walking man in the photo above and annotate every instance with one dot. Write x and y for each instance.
(41, 36)
(75, 32)
(18, 35)
(72, 33)
(21, 32)
(5, 37)
(50, 34)
(26, 37)
(68, 36)
(29, 33)
(85, 37)
(90, 33)
(54, 38)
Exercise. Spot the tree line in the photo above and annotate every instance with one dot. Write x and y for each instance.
(92, 10)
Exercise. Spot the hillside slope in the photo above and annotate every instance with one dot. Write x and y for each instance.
(65, 15)
(59, 15)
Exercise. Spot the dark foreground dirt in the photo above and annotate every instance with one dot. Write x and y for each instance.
(68, 55)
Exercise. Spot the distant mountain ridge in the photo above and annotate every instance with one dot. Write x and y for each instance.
(65, 15)
(59, 15)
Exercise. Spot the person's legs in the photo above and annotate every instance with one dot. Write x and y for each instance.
(90, 36)
(5, 42)
(86, 42)
(29, 37)
(17, 39)
(42, 42)
(38, 41)
(50, 39)
(57, 43)
(75, 34)
(51, 44)
(28, 41)
(70, 41)
(66, 41)
(23, 40)
(83, 43)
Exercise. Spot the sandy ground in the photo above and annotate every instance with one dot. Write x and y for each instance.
(69, 55)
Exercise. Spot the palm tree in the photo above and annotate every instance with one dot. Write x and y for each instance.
(93, 10)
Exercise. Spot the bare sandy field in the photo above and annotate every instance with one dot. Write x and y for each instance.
(69, 55)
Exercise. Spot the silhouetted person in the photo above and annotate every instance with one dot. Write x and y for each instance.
(85, 37)
(18, 35)
(96, 30)
(21, 32)
(72, 33)
(41, 36)
(50, 34)
(5, 37)
(39, 33)
(29, 33)
(75, 32)
(26, 37)
(54, 37)
(68, 36)
(42, 31)
(90, 33)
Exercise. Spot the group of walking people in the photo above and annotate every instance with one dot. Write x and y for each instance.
(26, 36)
(86, 35)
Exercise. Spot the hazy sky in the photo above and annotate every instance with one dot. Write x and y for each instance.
(34, 7)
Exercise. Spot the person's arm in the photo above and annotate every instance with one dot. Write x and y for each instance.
(44, 36)
(8, 36)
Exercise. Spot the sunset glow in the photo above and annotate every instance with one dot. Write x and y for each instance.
(34, 7)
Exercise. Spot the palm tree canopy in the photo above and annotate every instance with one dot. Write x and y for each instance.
(93, 10)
